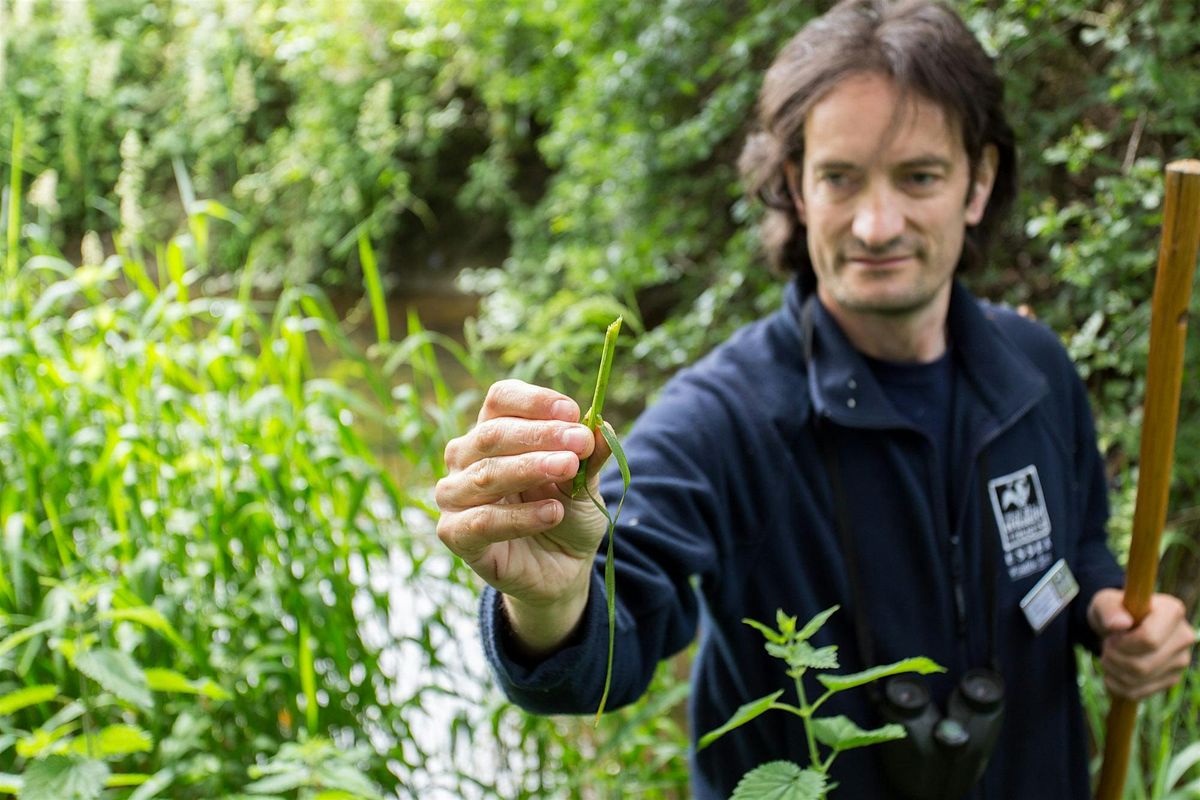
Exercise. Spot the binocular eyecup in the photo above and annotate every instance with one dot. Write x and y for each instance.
(943, 755)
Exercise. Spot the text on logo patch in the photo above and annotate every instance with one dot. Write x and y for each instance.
(1023, 522)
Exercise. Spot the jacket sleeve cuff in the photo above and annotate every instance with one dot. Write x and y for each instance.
(522, 680)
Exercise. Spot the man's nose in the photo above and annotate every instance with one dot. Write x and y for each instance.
(878, 218)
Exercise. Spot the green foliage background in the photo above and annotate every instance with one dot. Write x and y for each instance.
(150, 420)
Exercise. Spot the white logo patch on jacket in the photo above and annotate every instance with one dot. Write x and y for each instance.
(1023, 521)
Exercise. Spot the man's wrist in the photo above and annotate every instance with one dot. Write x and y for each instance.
(538, 630)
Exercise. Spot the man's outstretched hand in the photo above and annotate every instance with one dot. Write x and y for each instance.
(507, 508)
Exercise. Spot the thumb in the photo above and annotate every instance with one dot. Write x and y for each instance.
(1107, 614)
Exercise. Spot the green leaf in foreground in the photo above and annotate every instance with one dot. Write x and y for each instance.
(744, 714)
(610, 584)
(24, 698)
(921, 665)
(801, 655)
(168, 680)
(593, 416)
(1183, 761)
(816, 623)
(595, 421)
(64, 778)
(840, 733)
(11, 783)
(118, 673)
(114, 740)
(152, 787)
(151, 618)
(284, 782)
(770, 635)
(20, 637)
(780, 780)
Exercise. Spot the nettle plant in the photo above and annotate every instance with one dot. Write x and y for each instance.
(786, 780)
(98, 712)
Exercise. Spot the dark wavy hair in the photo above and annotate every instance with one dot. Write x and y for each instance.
(926, 49)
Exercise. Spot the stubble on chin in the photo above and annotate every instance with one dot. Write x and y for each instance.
(877, 301)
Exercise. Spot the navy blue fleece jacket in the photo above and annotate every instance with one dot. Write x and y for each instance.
(731, 515)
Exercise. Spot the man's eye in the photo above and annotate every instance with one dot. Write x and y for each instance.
(923, 179)
(837, 180)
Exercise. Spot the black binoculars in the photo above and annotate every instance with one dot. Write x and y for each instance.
(943, 755)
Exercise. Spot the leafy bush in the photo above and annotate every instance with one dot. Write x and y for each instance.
(313, 120)
(181, 496)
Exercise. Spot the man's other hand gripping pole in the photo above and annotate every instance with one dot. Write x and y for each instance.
(1164, 375)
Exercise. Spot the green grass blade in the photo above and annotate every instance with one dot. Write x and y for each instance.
(14, 204)
(308, 680)
(592, 417)
(13, 702)
(370, 268)
(610, 587)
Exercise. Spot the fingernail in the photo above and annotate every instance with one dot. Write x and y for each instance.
(576, 439)
(564, 409)
(560, 463)
(548, 513)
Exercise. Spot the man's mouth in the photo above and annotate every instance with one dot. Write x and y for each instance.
(878, 262)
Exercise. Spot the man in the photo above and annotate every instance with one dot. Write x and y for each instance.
(884, 442)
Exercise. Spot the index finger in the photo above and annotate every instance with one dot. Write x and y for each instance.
(514, 398)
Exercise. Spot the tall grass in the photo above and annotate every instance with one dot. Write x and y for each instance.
(181, 491)
(209, 585)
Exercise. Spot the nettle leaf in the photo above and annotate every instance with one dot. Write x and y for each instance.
(152, 787)
(841, 733)
(114, 740)
(64, 778)
(781, 780)
(802, 655)
(149, 617)
(22, 636)
(771, 636)
(118, 673)
(816, 623)
(920, 665)
(351, 781)
(24, 698)
(168, 680)
(284, 782)
(744, 714)
(43, 740)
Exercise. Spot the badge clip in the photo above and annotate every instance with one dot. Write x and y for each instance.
(1053, 592)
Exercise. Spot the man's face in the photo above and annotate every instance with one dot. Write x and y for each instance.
(886, 194)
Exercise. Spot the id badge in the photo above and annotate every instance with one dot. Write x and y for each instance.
(1049, 596)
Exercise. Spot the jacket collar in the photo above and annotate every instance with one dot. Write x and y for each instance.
(843, 388)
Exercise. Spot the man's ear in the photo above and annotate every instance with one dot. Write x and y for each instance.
(792, 173)
(981, 184)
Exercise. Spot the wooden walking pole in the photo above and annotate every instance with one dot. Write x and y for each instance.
(1164, 375)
